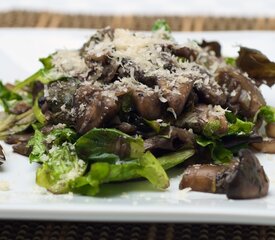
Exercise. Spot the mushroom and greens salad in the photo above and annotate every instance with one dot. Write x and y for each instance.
(131, 105)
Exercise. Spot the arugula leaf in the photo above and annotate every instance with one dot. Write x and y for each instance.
(7, 96)
(103, 140)
(266, 112)
(44, 75)
(47, 62)
(161, 27)
(161, 24)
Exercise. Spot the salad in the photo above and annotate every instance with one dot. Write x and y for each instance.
(130, 105)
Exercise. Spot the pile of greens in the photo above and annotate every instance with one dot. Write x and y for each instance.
(81, 163)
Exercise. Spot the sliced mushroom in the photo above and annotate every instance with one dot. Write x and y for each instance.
(22, 148)
(266, 146)
(270, 130)
(2, 156)
(17, 138)
(257, 65)
(243, 97)
(176, 94)
(212, 46)
(242, 179)
(177, 138)
(93, 108)
(248, 180)
(147, 104)
(206, 177)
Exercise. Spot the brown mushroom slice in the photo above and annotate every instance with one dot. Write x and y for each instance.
(185, 52)
(243, 96)
(243, 179)
(20, 108)
(19, 137)
(147, 103)
(94, 107)
(212, 46)
(257, 65)
(176, 93)
(270, 130)
(266, 146)
(204, 178)
(2, 156)
(177, 138)
(248, 180)
(22, 148)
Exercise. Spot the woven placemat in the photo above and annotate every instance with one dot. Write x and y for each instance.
(126, 231)
(131, 231)
(177, 23)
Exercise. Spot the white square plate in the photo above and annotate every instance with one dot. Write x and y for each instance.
(133, 201)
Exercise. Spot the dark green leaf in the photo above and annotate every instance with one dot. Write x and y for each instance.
(104, 140)
(219, 153)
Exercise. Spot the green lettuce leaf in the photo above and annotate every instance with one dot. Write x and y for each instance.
(230, 61)
(61, 166)
(147, 166)
(219, 153)
(102, 140)
(267, 113)
(237, 126)
(40, 143)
